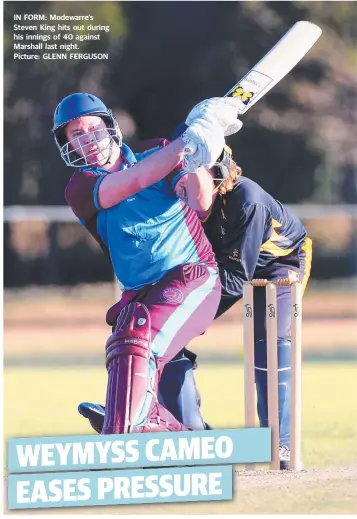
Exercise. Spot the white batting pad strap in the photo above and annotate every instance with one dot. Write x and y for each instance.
(150, 396)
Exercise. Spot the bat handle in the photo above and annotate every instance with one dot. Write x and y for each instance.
(190, 148)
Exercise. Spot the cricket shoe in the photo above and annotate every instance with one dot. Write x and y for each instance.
(94, 413)
(284, 456)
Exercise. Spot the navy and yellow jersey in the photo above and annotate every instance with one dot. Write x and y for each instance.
(250, 231)
(145, 235)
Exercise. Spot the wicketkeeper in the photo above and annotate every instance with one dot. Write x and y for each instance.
(255, 236)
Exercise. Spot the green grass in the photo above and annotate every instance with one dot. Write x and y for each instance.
(43, 402)
(329, 426)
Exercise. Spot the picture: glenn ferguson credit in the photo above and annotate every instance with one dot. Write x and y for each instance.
(64, 55)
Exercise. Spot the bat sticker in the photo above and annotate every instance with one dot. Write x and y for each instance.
(244, 96)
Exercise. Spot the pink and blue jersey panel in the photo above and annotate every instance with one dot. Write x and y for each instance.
(145, 235)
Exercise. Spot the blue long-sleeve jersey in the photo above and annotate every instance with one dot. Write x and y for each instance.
(249, 231)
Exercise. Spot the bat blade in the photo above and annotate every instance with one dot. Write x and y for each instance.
(275, 65)
(272, 68)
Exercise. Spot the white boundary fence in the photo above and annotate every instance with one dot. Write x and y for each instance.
(63, 214)
(59, 213)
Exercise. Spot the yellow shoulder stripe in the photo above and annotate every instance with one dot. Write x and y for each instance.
(271, 246)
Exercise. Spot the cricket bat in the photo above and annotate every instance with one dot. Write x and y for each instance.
(275, 65)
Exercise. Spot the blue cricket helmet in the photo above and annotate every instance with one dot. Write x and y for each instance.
(78, 105)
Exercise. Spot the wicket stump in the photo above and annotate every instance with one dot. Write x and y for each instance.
(272, 365)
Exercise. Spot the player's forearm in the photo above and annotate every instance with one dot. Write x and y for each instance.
(122, 184)
(200, 188)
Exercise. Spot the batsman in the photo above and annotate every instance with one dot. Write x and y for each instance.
(129, 205)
